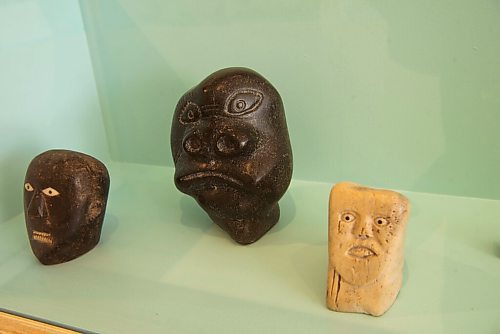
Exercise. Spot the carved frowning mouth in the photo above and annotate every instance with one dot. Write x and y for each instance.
(43, 237)
(207, 174)
(361, 252)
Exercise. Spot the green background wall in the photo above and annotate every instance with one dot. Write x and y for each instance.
(48, 97)
(398, 94)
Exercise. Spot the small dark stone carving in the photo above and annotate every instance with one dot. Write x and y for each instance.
(232, 152)
(65, 195)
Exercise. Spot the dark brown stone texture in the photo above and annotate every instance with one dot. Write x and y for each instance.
(232, 152)
(65, 195)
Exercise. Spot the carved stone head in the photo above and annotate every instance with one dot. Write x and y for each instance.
(232, 152)
(65, 196)
(366, 247)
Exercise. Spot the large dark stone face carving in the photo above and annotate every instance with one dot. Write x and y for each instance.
(232, 152)
(65, 196)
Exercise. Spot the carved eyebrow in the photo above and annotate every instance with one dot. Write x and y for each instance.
(209, 106)
(208, 109)
(342, 212)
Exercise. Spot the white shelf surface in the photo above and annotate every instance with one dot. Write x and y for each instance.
(162, 267)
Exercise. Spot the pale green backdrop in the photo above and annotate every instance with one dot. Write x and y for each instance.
(397, 94)
(48, 97)
(403, 95)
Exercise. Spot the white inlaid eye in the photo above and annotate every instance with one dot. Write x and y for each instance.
(28, 186)
(348, 217)
(50, 192)
(380, 221)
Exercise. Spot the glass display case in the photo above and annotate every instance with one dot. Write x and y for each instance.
(401, 95)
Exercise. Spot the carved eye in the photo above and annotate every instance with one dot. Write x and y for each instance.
(50, 192)
(381, 221)
(28, 187)
(243, 102)
(190, 113)
(348, 217)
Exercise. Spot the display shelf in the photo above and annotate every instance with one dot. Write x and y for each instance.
(162, 266)
(13, 323)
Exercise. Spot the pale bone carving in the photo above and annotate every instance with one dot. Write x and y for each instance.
(365, 248)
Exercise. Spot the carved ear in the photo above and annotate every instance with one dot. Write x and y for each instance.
(95, 210)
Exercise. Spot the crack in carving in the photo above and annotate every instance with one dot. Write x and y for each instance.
(338, 290)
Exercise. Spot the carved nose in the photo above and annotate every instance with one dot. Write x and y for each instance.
(41, 211)
(223, 144)
(229, 145)
(363, 229)
(363, 234)
(37, 207)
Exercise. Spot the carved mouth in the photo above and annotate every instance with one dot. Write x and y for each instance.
(361, 252)
(205, 174)
(43, 237)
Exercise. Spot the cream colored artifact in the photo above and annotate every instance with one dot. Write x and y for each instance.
(365, 248)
